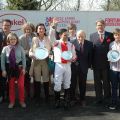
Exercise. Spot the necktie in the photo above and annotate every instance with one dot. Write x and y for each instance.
(12, 58)
(101, 38)
(81, 48)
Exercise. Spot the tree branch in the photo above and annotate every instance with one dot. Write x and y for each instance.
(57, 5)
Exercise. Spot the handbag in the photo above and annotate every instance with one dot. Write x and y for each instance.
(51, 63)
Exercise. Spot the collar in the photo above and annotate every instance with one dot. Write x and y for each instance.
(101, 33)
(61, 40)
(81, 42)
(118, 43)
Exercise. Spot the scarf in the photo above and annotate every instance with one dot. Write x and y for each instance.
(12, 57)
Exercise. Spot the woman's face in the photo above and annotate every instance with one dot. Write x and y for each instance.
(41, 30)
(117, 37)
(72, 32)
(28, 29)
(13, 40)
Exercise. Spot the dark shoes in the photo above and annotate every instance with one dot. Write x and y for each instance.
(98, 103)
(67, 105)
(83, 103)
(1, 99)
(57, 104)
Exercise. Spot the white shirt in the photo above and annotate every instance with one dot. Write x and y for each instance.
(115, 66)
(41, 43)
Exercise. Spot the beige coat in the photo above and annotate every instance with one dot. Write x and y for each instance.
(35, 44)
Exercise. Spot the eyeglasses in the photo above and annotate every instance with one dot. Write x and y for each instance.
(12, 39)
(7, 25)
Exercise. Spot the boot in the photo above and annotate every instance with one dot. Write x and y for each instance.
(46, 90)
(37, 87)
(57, 99)
(66, 99)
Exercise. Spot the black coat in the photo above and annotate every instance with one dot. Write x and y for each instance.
(100, 50)
(85, 58)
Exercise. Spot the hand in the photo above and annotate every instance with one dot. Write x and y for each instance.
(31, 80)
(91, 68)
(26, 52)
(33, 57)
(55, 20)
(4, 73)
(73, 60)
(23, 71)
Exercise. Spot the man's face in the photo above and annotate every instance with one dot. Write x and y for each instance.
(64, 36)
(28, 29)
(100, 27)
(81, 37)
(6, 26)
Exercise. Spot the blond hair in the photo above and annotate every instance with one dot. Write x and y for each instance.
(28, 24)
(12, 36)
(116, 31)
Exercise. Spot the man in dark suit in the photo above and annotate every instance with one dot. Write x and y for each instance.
(6, 25)
(101, 40)
(84, 58)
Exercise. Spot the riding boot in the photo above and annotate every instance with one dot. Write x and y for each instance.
(66, 99)
(46, 91)
(57, 99)
(37, 87)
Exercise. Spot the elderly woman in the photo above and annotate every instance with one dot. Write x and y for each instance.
(13, 65)
(40, 66)
(25, 41)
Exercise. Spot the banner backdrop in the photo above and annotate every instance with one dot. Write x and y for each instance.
(84, 20)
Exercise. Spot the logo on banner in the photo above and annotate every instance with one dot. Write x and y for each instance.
(48, 20)
(16, 20)
(112, 21)
(62, 21)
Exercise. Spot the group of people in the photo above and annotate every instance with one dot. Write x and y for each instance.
(19, 63)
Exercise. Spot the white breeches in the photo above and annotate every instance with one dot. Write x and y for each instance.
(62, 76)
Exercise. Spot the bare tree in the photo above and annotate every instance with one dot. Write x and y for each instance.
(108, 5)
(78, 5)
(111, 5)
(30, 4)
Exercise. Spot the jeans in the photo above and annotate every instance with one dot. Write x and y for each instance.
(115, 79)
